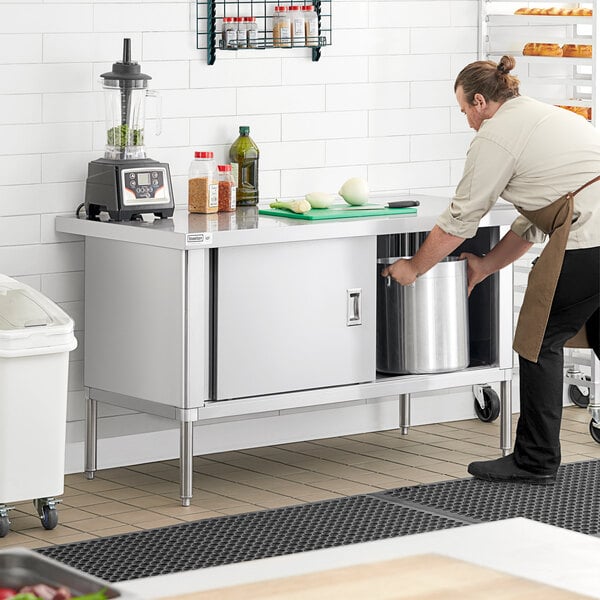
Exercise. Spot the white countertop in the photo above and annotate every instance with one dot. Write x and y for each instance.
(187, 231)
(521, 547)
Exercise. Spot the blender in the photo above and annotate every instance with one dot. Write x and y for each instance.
(125, 183)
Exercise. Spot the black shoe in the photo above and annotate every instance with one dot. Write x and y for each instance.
(505, 469)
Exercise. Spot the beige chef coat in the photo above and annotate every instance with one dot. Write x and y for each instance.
(530, 154)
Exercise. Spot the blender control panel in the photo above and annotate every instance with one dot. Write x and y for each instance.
(145, 186)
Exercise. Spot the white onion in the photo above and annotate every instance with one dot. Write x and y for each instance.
(320, 199)
(355, 191)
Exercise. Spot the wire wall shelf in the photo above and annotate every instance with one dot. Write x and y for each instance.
(209, 21)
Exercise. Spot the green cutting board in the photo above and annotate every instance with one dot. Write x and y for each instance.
(337, 211)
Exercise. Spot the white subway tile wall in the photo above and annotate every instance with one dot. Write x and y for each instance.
(379, 104)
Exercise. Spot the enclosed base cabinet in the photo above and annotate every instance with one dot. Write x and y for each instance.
(294, 316)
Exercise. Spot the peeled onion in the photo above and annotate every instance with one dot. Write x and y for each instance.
(355, 191)
(320, 199)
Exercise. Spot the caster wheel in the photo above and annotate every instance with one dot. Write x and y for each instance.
(580, 396)
(594, 432)
(4, 526)
(491, 408)
(49, 517)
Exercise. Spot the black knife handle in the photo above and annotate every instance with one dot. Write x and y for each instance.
(403, 203)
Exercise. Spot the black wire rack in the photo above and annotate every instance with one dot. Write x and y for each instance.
(210, 14)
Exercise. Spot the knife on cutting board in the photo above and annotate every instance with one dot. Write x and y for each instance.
(392, 204)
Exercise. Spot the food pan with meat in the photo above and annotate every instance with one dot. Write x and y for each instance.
(27, 575)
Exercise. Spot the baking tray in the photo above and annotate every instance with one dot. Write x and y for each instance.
(20, 566)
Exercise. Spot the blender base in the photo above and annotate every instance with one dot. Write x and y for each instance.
(126, 189)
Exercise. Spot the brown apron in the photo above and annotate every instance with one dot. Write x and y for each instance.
(554, 220)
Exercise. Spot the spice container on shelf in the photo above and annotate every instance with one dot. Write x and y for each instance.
(311, 25)
(297, 25)
(229, 33)
(282, 35)
(244, 155)
(251, 32)
(203, 190)
(241, 32)
(227, 189)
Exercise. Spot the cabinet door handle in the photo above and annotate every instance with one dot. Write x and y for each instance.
(353, 307)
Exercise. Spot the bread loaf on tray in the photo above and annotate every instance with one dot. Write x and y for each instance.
(542, 49)
(557, 12)
(577, 50)
(584, 111)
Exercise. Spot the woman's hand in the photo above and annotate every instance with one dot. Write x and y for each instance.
(476, 269)
(403, 271)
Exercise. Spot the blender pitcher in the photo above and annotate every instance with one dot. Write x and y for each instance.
(125, 91)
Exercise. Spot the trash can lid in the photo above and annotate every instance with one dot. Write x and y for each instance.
(18, 310)
(31, 321)
(22, 306)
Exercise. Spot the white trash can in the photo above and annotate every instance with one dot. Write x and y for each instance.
(36, 337)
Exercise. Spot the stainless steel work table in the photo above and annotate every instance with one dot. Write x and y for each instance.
(174, 274)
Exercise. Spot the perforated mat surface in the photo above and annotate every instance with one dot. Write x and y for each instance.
(238, 538)
(572, 502)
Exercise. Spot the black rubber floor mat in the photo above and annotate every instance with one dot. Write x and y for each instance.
(573, 502)
(249, 536)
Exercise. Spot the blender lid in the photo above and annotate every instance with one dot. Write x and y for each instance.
(127, 71)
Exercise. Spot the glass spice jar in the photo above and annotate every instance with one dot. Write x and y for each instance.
(242, 41)
(251, 32)
(227, 189)
(297, 25)
(229, 33)
(282, 35)
(311, 25)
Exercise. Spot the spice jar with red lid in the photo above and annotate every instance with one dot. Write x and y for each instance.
(227, 189)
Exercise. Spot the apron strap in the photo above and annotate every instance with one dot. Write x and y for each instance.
(585, 185)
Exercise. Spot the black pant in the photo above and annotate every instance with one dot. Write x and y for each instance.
(576, 301)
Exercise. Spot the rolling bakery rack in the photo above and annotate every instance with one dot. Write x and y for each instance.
(558, 80)
(209, 15)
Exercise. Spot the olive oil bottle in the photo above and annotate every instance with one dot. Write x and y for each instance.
(243, 155)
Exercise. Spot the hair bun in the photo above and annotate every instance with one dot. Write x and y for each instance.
(506, 64)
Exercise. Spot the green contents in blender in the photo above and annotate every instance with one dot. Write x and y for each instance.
(123, 135)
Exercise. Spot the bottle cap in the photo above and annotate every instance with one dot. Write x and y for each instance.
(248, 19)
(308, 7)
(280, 9)
(224, 168)
(294, 7)
(238, 19)
(227, 19)
(203, 154)
(244, 129)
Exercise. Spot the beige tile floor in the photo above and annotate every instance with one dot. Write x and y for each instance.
(145, 496)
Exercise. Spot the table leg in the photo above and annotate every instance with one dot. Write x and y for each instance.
(91, 437)
(505, 416)
(186, 458)
(404, 413)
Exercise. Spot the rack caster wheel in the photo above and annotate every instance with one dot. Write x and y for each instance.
(4, 526)
(491, 407)
(579, 397)
(594, 431)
